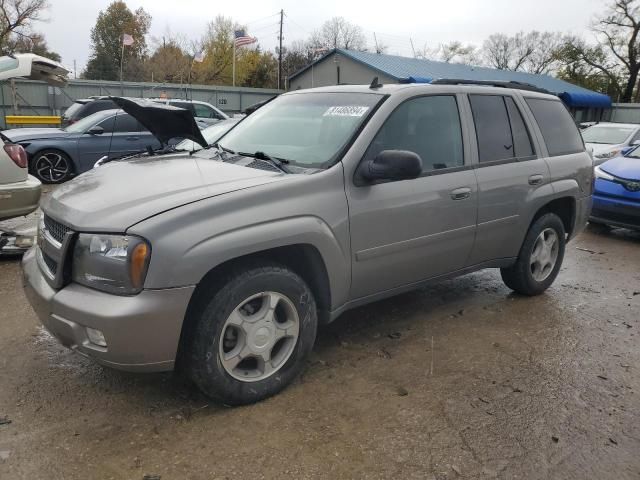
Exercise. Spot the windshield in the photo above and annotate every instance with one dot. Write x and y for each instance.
(85, 123)
(308, 129)
(211, 135)
(608, 134)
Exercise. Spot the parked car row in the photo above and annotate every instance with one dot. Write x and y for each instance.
(204, 113)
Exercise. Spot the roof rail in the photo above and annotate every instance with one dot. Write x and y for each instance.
(490, 83)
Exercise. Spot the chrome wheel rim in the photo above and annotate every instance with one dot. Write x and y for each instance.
(544, 254)
(259, 336)
(51, 167)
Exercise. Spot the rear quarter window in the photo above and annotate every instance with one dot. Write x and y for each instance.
(557, 126)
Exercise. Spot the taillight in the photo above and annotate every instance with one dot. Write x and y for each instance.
(17, 154)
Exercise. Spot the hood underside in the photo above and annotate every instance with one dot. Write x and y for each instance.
(163, 121)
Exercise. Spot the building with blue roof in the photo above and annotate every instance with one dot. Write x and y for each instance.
(340, 66)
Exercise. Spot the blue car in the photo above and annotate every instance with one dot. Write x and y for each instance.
(616, 199)
(56, 154)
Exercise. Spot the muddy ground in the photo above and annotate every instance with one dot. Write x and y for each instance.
(458, 380)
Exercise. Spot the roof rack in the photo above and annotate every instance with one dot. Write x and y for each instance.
(490, 83)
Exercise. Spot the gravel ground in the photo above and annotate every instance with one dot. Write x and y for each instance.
(459, 380)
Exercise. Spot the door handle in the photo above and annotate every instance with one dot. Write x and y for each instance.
(535, 179)
(460, 193)
(133, 139)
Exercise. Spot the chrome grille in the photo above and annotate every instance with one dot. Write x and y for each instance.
(56, 229)
(51, 263)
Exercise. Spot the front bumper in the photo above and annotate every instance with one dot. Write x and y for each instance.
(142, 331)
(616, 212)
(21, 198)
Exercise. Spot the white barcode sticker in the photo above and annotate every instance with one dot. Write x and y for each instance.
(346, 111)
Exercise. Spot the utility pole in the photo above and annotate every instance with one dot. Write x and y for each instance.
(280, 52)
(75, 70)
(375, 40)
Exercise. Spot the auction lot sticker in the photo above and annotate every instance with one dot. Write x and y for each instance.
(346, 111)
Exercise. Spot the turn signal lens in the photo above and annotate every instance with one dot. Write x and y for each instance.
(138, 265)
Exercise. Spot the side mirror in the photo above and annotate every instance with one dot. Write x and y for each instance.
(392, 165)
(95, 130)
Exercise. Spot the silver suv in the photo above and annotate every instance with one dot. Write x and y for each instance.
(226, 260)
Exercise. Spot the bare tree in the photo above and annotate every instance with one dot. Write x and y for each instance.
(425, 52)
(456, 52)
(618, 53)
(533, 52)
(339, 33)
(17, 17)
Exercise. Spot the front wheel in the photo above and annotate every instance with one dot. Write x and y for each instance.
(540, 257)
(52, 166)
(252, 335)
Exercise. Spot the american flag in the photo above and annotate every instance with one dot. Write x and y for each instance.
(241, 38)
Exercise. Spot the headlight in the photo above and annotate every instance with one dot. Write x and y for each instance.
(112, 263)
(599, 173)
(610, 154)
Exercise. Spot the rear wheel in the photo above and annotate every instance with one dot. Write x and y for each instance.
(252, 335)
(52, 166)
(540, 257)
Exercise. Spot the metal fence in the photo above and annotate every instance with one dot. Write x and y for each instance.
(37, 98)
(624, 113)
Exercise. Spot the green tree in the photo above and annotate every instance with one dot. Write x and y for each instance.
(106, 43)
(169, 63)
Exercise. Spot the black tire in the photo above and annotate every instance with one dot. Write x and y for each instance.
(519, 277)
(51, 166)
(215, 305)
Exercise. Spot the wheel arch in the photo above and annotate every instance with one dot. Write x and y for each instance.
(564, 207)
(302, 258)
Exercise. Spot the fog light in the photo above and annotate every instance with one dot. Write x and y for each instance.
(96, 337)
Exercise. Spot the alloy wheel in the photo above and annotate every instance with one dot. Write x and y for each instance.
(51, 167)
(544, 254)
(259, 336)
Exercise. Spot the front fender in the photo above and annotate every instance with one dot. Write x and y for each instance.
(190, 241)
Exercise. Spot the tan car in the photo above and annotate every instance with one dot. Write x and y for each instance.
(19, 191)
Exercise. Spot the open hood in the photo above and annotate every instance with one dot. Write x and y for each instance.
(33, 67)
(163, 121)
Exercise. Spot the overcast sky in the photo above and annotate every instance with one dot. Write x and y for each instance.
(427, 21)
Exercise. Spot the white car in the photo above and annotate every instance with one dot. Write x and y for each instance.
(607, 140)
(204, 113)
(19, 191)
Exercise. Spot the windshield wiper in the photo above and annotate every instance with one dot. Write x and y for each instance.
(279, 163)
(217, 146)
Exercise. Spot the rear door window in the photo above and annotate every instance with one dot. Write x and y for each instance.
(493, 130)
(556, 125)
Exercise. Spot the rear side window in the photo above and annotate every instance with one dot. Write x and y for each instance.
(205, 111)
(521, 138)
(428, 126)
(557, 126)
